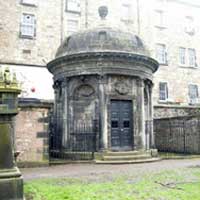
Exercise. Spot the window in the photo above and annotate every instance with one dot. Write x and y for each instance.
(73, 5)
(193, 94)
(72, 25)
(163, 91)
(159, 19)
(182, 56)
(189, 25)
(126, 12)
(28, 2)
(187, 57)
(28, 25)
(192, 57)
(161, 53)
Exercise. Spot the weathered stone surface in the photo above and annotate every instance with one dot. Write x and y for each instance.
(32, 132)
(11, 183)
(102, 75)
(11, 188)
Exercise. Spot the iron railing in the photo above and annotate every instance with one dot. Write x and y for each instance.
(80, 145)
(178, 134)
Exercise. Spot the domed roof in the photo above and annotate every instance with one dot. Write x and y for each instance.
(102, 39)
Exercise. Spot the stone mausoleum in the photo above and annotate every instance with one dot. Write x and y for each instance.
(103, 93)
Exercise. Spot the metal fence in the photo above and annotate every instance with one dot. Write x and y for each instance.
(81, 142)
(178, 134)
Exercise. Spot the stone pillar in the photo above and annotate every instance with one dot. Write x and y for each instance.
(65, 113)
(140, 136)
(57, 137)
(11, 182)
(152, 142)
(146, 116)
(103, 114)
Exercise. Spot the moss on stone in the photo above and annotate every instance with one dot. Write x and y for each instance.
(6, 157)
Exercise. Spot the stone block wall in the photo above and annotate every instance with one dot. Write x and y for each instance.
(31, 133)
(167, 111)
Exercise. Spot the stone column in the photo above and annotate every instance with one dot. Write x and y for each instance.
(148, 117)
(152, 142)
(56, 118)
(11, 182)
(103, 114)
(140, 137)
(65, 113)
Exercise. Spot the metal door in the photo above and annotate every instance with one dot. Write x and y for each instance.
(121, 125)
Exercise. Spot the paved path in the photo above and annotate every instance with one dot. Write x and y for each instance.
(92, 171)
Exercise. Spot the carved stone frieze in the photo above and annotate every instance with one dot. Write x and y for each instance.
(84, 91)
(122, 87)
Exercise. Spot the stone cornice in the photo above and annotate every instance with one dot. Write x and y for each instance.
(103, 56)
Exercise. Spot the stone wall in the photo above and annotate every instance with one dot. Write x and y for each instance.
(167, 111)
(31, 133)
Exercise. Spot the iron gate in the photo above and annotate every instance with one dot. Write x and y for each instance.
(178, 134)
(81, 142)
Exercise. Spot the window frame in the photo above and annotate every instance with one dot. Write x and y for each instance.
(160, 15)
(24, 24)
(162, 54)
(70, 32)
(23, 2)
(70, 9)
(126, 18)
(185, 56)
(196, 98)
(166, 92)
(189, 25)
(194, 63)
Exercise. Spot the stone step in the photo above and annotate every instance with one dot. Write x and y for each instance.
(126, 157)
(112, 162)
(122, 153)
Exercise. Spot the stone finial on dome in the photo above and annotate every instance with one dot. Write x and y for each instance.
(103, 12)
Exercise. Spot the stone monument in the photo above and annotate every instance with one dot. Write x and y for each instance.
(11, 182)
(103, 80)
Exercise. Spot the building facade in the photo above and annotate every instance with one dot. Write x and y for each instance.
(32, 30)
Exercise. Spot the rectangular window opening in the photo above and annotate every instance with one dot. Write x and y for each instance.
(192, 57)
(73, 26)
(73, 5)
(161, 53)
(193, 94)
(182, 56)
(126, 124)
(28, 25)
(126, 12)
(115, 124)
(163, 91)
(29, 2)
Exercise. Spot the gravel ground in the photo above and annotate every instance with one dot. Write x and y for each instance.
(98, 171)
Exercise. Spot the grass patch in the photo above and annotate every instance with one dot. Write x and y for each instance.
(181, 184)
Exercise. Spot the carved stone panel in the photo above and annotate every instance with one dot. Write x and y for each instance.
(121, 85)
(84, 91)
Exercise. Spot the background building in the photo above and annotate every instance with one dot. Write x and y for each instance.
(32, 30)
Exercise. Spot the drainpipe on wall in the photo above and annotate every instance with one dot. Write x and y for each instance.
(86, 14)
(138, 16)
(62, 21)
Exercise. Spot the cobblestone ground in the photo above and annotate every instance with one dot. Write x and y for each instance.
(99, 172)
